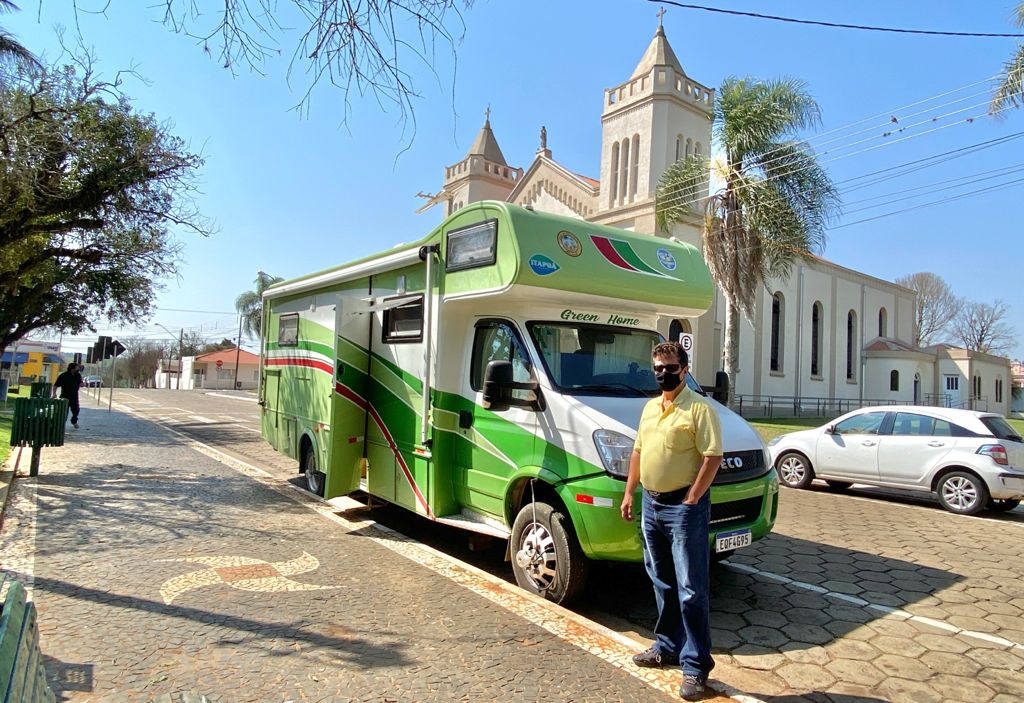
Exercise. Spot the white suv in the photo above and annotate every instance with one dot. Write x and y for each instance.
(970, 460)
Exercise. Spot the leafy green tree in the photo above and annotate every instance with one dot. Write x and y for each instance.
(1010, 92)
(89, 190)
(250, 304)
(774, 200)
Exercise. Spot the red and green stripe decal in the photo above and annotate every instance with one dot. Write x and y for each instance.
(621, 255)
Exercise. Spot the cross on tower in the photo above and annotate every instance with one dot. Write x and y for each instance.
(487, 113)
(660, 13)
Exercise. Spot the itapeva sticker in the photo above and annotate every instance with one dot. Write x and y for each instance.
(665, 258)
(542, 265)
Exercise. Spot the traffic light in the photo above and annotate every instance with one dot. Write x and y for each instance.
(104, 349)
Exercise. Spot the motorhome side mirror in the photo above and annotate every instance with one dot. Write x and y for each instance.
(721, 392)
(498, 385)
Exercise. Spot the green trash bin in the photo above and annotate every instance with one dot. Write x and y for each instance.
(38, 423)
(40, 389)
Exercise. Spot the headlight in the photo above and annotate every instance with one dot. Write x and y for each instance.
(615, 449)
(775, 440)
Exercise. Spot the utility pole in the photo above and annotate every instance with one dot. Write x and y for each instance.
(181, 347)
(238, 349)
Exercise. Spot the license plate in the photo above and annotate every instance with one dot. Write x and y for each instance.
(726, 541)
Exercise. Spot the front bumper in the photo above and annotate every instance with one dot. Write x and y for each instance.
(594, 507)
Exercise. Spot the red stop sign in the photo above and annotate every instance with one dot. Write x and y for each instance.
(219, 363)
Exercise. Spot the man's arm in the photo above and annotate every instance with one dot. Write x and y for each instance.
(705, 476)
(632, 481)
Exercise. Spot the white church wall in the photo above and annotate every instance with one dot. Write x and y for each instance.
(848, 294)
(879, 378)
(817, 290)
(875, 301)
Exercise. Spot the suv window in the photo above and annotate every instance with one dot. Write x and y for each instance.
(1000, 428)
(913, 424)
(497, 341)
(868, 423)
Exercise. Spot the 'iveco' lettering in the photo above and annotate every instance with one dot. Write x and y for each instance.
(733, 462)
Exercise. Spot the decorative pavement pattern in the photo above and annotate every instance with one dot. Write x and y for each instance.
(111, 516)
(243, 573)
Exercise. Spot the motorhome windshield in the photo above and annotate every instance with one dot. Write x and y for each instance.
(585, 359)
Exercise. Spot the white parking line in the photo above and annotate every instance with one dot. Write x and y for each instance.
(888, 610)
(204, 420)
(250, 429)
(235, 397)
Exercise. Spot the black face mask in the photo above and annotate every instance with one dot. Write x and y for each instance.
(668, 381)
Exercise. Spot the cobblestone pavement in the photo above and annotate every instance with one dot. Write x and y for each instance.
(865, 595)
(158, 570)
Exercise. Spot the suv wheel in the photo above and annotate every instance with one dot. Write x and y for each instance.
(962, 493)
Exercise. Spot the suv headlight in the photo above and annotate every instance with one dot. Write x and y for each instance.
(615, 449)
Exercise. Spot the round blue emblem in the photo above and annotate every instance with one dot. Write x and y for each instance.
(666, 259)
(542, 265)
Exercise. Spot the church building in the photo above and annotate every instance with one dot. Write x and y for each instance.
(828, 334)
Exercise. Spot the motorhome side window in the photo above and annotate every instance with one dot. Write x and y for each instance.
(497, 341)
(404, 323)
(473, 246)
(288, 330)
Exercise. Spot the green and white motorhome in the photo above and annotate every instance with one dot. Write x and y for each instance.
(491, 376)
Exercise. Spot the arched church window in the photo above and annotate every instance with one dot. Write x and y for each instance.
(624, 170)
(777, 332)
(635, 170)
(614, 189)
(697, 150)
(883, 323)
(689, 148)
(816, 338)
(851, 349)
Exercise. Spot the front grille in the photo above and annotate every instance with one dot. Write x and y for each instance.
(736, 512)
(741, 466)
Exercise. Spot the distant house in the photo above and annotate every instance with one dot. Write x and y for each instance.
(26, 361)
(938, 375)
(1017, 390)
(216, 370)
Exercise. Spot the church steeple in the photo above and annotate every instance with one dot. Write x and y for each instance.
(659, 53)
(485, 144)
(483, 174)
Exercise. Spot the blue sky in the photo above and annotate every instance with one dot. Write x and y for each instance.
(292, 193)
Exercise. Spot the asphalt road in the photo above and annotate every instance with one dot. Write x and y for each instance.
(860, 595)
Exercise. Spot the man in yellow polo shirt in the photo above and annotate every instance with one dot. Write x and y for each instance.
(677, 453)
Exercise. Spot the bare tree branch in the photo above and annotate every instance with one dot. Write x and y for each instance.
(982, 327)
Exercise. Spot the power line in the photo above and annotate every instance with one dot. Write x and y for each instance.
(836, 25)
(968, 180)
(989, 189)
(205, 312)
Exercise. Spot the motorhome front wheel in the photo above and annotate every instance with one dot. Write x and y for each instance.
(546, 558)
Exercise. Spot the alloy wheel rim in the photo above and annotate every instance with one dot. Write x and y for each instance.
(792, 470)
(960, 493)
(538, 559)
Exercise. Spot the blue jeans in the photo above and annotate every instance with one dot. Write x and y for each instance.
(677, 558)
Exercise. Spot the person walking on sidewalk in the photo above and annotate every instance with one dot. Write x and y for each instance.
(68, 384)
(677, 453)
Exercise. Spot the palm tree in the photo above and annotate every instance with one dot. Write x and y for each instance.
(10, 48)
(774, 200)
(250, 304)
(1010, 92)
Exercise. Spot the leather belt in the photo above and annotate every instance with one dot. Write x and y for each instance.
(669, 497)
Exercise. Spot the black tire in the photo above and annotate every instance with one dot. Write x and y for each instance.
(794, 470)
(838, 485)
(315, 479)
(546, 556)
(1003, 505)
(962, 493)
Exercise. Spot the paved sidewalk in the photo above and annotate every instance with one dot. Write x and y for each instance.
(157, 569)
